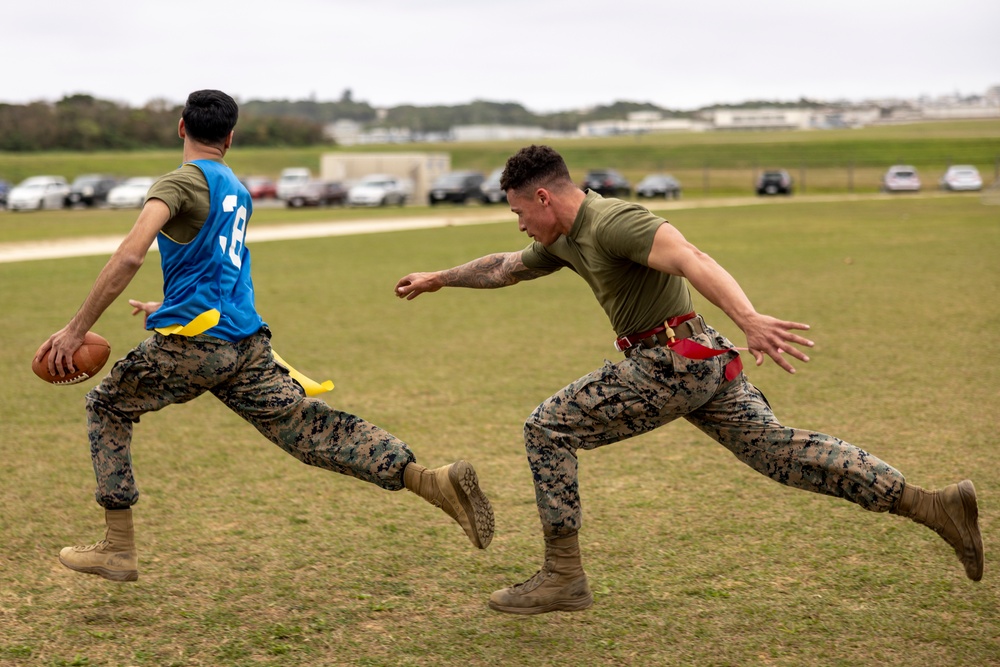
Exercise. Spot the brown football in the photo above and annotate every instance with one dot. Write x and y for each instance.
(89, 360)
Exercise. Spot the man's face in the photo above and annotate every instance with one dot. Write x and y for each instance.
(535, 216)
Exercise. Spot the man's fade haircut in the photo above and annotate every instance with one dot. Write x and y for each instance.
(534, 166)
(210, 115)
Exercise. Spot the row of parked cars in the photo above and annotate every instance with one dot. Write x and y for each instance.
(898, 178)
(297, 187)
(958, 178)
(50, 192)
(611, 183)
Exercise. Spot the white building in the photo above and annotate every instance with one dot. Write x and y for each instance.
(495, 132)
(764, 118)
(639, 122)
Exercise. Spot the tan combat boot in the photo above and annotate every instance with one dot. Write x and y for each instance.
(455, 489)
(561, 584)
(953, 514)
(114, 557)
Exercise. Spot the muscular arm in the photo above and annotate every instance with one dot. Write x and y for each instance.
(110, 283)
(673, 254)
(489, 272)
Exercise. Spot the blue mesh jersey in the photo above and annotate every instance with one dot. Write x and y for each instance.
(212, 271)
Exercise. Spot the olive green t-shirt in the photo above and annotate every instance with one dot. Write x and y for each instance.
(185, 192)
(608, 247)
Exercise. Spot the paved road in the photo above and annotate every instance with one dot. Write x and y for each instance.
(105, 245)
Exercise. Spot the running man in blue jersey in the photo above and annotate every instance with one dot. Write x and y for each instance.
(208, 337)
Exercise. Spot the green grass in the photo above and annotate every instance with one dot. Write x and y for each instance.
(59, 224)
(248, 557)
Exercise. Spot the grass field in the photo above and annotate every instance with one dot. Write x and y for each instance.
(247, 557)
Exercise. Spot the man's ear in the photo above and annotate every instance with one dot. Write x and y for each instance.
(181, 130)
(229, 142)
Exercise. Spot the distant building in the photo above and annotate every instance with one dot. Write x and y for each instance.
(344, 132)
(992, 96)
(955, 107)
(764, 118)
(495, 132)
(350, 133)
(838, 114)
(839, 118)
(639, 122)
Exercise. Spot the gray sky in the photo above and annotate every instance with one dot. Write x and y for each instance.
(548, 55)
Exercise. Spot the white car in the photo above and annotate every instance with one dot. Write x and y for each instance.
(131, 193)
(37, 193)
(291, 181)
(901, 178)
(962, 177)
(379, 190)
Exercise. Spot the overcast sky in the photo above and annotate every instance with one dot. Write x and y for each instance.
(548, 55)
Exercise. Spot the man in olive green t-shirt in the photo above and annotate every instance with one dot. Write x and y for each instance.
(675, 365)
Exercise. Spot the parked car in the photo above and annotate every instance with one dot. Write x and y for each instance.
(290, 180)
(457, 187)
(961, 177)
(90, 189)
(260, 187)
(607, 183)
(490, 188)
(4, 191)
(38, 192)
(131, 193)
(659, 185)
(318, 193)
(901, 178)
(379, 190)
(774, 182)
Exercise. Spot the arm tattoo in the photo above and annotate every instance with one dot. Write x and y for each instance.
(492, 271)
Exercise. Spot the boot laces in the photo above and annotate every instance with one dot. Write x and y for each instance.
(533, 582)
(97, 546)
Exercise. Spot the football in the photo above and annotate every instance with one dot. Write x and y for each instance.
(89, 360)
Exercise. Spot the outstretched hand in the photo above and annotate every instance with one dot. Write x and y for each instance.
(770, 336)
(411, 286)
(147, 308)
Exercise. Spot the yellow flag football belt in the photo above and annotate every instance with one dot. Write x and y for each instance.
(210, 318)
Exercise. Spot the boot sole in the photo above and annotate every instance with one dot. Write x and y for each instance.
(111, 575)
(560, 605)
(475, 503)
(967, 491)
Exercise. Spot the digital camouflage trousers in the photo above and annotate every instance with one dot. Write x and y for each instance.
(656, 386)
(163, 370)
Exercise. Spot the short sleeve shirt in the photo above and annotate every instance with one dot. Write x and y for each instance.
(609, 246)
(185, 192)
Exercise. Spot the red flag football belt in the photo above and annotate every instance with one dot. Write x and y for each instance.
(676, 334)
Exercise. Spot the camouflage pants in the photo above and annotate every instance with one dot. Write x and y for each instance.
(163, 370)
(656, 386)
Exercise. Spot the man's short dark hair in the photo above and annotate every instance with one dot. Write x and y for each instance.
(210, 115)
(534, 166)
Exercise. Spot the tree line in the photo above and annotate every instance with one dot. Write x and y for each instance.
(84, 123)
(442, 118)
